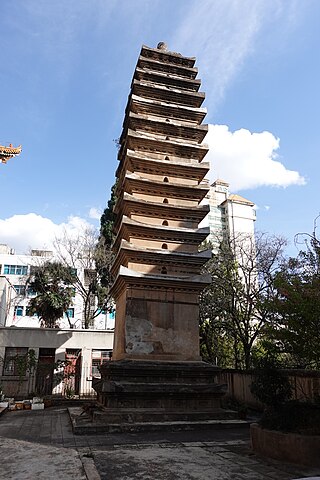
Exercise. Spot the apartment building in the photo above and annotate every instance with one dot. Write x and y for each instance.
(230, 215)
(15, 294)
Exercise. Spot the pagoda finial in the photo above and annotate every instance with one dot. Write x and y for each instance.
(162, 46)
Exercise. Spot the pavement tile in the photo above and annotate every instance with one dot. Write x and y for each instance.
(199, 455)
(22, 460)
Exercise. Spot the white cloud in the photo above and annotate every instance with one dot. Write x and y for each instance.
(95, 213)
(226, 34)
(247, 160)
(23, 232)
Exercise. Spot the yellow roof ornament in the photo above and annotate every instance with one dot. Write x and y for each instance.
(8, 152)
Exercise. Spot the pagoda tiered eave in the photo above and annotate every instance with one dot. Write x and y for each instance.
(130, 228)
(130, 205)
(135, 161)
(171, 94)
(134, 183)
(131, 278)
(164, 78)
(147, 106)
(167, 57)
(167, 127)
(168, 68)
(128, 252)
(158, 144)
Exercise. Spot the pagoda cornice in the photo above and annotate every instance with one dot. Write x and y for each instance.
(138, 104)
(163, 78)
(166, 56)
(157, 125)
(130, 253)
(133, 229)
(130, 278)
(157, 144)
(134, 183)
(129, 205)
(168, 68)
(166, 93)
(134, 161)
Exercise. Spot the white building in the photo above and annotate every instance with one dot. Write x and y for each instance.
(230, 214)
(15, 296)
(65, 362)
(66, 358)
(7, 294)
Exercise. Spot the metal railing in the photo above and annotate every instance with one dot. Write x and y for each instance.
(56, 383)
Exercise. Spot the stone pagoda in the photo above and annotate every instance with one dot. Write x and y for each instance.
(157, 373)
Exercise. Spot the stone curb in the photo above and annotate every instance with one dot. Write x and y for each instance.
(87, 427)
(88, 464)
(3, 410)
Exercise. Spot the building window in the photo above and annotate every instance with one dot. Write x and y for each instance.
(11, 364)
(164, 271)
(99, 357)
(165, 222)
(18, 311)
(70, 313)
(15, 270)
(166, 179)
(31, 292)
(164, 246)
(165, 200)
(20, 289)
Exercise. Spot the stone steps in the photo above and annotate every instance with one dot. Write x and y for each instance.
(85, 425)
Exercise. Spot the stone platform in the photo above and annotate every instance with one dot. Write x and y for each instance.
(153, 395)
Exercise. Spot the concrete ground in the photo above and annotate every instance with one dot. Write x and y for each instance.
(41, 444)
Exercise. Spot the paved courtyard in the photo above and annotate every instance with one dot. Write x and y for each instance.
(41, 444)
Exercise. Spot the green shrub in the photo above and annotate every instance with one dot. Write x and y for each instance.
(293, 416)
(270, 386)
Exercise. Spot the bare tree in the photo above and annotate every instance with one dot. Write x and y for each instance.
(89, 260)
(236, 306)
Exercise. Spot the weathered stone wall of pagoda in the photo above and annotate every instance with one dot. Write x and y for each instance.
(160, 187)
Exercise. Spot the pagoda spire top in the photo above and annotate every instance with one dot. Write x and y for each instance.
(162, 46)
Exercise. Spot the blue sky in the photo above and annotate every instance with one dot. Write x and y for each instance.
(66, 68)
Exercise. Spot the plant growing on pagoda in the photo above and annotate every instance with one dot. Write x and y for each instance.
(106, 239)
(108, 218)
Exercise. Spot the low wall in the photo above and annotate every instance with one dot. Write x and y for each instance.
(287, 447)
(305, 385)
